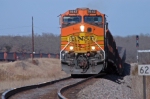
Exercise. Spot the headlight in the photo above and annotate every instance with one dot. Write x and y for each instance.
(63, 54)
(82, 28)
(71, 47)
(93, 47)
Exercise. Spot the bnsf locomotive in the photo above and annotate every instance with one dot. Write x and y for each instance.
(87, 46)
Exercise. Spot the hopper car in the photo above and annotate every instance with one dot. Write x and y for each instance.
(13, 56)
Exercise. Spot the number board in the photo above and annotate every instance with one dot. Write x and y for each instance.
(144, 69)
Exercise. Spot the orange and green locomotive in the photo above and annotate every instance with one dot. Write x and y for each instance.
(87, 46)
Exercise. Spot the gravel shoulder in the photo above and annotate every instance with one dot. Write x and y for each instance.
(128, 86)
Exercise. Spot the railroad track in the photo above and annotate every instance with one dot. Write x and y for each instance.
(50, 90)
(70, 91)
(22, 91)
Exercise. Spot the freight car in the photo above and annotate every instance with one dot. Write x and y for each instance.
(13, 56)
(2, 56)
(87, 45)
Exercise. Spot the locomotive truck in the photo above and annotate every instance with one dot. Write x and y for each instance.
(87, 45)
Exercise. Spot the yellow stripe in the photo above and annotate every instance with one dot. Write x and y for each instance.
(92, 45)
(100, 38)
(84, 38)
(66, 38)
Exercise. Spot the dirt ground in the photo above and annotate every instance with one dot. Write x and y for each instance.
(22, 73)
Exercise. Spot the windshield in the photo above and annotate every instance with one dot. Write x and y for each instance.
(72, 19)
(94, 20)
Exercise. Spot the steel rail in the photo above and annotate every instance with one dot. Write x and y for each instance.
(63, 89)
(14, 91)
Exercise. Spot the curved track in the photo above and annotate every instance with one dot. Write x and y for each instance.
(16, 93)
(70, 91)
(51, 90)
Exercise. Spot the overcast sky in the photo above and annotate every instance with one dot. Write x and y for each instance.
(125, 17)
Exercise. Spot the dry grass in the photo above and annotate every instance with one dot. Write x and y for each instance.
(138, 82)
(21, 73)
(135, 70)
(148, 86)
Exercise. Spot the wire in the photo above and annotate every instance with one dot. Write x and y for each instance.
(15, 27)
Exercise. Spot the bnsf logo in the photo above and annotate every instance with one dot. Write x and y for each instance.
(82, 38)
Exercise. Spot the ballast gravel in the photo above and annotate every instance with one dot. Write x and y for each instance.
(128, 86)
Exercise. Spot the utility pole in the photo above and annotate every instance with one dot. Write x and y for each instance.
(32, 40)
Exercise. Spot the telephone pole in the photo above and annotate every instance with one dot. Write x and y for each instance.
(32, 40)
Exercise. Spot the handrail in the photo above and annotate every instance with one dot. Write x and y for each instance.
(99, 47)
(64, 47)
